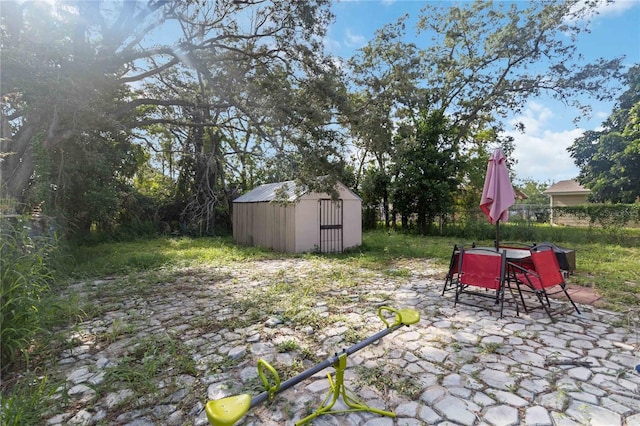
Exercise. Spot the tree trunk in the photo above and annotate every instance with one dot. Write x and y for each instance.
(17, 162)
(385, 203)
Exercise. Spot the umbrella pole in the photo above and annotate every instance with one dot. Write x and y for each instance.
(497, 234)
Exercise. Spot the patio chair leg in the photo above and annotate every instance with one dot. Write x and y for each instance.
(447, 283)
(546, 306)
(564, 288)
(515, 300)
(524, 305)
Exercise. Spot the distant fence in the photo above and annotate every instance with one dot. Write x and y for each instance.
(587, 215)
(519, 213)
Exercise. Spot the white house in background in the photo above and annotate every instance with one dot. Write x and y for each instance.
(306, 222)
(566, 193)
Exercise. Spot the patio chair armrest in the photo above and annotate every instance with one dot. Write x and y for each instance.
(520, 272)
(515, 266)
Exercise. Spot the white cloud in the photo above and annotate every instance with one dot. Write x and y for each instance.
(605, 8)
(331, 44)
(616, 8)
(535, 115)
(541, 154)
(354, 40)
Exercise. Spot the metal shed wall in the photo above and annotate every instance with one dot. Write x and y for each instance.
(264, 224)
(294, 228)
(308, 220)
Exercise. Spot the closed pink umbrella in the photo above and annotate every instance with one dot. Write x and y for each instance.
(498, 194)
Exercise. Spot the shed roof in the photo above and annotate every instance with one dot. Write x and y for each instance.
(570, 186)
(286, 191)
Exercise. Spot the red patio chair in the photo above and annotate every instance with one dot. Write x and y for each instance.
(482, 269)
(524, 263)
(451, 279)
(542, 278)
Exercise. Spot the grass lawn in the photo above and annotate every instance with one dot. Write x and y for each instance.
(141, 268)
(611, 269)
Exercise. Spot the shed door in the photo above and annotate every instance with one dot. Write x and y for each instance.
(331, 215)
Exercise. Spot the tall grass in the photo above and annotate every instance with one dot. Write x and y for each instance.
(28, 312)
(26, 275)
(27, 399)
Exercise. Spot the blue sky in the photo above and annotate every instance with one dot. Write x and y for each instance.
(541, 151)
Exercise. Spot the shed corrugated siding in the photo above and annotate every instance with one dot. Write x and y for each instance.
(568, 200)
(307, 225)
(264, 225)
(241, 223)
(352, 227)
(295, 227)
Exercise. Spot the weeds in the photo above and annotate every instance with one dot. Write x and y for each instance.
(287, 346)
(388, 377)
(351, 336)
(148, 362)
(490, 348)
(169, 263)
(25, 403)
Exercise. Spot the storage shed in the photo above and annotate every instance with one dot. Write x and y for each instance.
(305, 222)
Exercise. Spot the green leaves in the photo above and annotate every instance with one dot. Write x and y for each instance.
(426, 164)
(609, 160)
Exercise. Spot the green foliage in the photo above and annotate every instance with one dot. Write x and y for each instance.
(287, 346)
(426, 164)
(609, 268)
(212, 123)
(482, 66)
(488, 58)
(220, 124)
(605, 215)
(609, 160)
(25, 402)
(374, 191)
(389, 377)
(490, 348)
(151, 254)
(92, 181)
(147, 362)
(26, 275)
(534, 191)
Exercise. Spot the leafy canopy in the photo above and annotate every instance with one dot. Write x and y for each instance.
(609, 159)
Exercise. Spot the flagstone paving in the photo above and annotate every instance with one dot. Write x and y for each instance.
(457, 366)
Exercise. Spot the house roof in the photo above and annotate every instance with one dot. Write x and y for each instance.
(285, 191)
(520, 195)
(570, 186)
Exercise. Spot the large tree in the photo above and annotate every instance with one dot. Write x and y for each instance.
(425, 168)
(384, 76)
(214, 74)
(484, 62)
(609, 159)
(487, 59)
